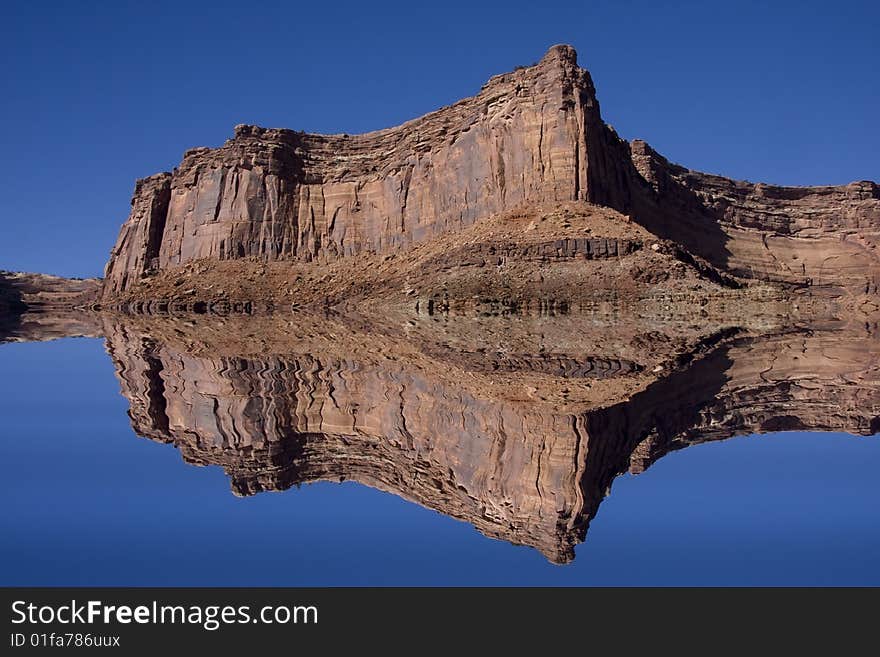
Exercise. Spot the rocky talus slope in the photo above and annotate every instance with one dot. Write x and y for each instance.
(548, 259)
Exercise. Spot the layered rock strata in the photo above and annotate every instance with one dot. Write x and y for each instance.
(534, 135)
(36, 291)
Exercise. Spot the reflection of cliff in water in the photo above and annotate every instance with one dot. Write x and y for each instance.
(525, 453)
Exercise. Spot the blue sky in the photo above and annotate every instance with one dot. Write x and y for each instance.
(96, 95)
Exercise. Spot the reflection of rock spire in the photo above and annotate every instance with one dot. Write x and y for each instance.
(521, 471)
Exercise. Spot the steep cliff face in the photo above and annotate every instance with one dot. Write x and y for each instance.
(140, 239)
(534, 135)
(280, 194)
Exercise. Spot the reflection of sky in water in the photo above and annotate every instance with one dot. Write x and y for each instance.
(88, 502)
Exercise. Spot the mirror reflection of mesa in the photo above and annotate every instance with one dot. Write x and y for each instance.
(492, 310)
(522, 453)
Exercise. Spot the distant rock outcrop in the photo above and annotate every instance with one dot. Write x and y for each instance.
(42, 307)
(534, 135)
(44, 291)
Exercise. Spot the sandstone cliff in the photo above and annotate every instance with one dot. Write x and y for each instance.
(280, 194)
(534, 135)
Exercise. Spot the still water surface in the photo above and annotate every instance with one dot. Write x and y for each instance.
(88, 502)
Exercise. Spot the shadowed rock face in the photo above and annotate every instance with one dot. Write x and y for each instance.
(426, 427)
(802, 236)
(11, 307)
(534, 135)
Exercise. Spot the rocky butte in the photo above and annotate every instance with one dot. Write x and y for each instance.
(492, 310)
(530, 138)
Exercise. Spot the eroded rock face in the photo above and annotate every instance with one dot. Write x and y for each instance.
(531, 136)
(805, 236)
(280, 194)
(509, 364)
